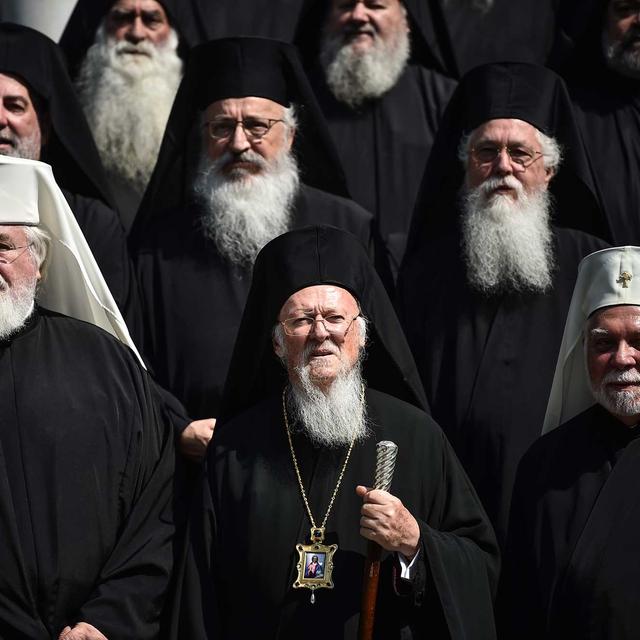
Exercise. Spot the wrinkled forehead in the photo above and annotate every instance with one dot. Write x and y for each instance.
(13, 232)
(319, 299)
(245, 106)
(505, 129)
(622, 315)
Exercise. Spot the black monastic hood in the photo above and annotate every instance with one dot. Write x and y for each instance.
(237, 67)
(507, 90)
(38, 62)
(302, 258)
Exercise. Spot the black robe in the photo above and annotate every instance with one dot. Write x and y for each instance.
(106, 238)
(384, 147)
(193, 298)
(254, 516)
(571, 569)
(487, 363)
(608, 114)
(85, 485)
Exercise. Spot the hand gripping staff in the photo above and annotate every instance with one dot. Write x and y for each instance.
(385, 464)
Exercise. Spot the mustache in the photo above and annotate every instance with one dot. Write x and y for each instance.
(354, 29)
(8, 138)
(144, 47)
(228, 159)
(621, 377)
(327, 345)
(492, 183)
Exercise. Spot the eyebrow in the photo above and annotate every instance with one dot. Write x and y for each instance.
(598, 331)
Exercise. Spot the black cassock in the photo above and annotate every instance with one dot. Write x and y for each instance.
(85, 485)
(514, 30)
(193, 298)
(607, 108)
(487, 363)
(571, 569)
(384, 146)
(254, 517)
(609, 117)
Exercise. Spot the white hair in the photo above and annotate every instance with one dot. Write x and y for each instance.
(551, 150)
(127, 91)
(40, 241)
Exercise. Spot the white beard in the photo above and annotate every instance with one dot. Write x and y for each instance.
(621, 403)
(620, 56)
(355, 76)
(127, 99)
(244, 211)
(507, 243)
(333, 418)
(16, 305)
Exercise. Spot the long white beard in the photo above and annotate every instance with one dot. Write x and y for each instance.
(620, 56)
(618, 402)
(127, 99)
(354, 76)
(245, 211)
(333, 418)
(507, 243)
(16, 304)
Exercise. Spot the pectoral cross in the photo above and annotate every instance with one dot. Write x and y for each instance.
(624, 279)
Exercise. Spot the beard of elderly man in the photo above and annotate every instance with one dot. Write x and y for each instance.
(245, 184)
(506, 208)
(364, 50)
(126, 90)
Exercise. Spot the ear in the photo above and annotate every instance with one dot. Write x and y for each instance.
(549, 173)
(290, 138)
(277, 347)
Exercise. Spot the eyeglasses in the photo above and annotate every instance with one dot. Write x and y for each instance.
(254, 128)
(523, 157)
(336, 325)
(9, 255)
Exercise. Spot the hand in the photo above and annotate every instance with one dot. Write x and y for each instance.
(81, 631)
(385, 520)
(195, 438)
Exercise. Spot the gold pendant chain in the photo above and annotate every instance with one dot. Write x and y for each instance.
(297, 468)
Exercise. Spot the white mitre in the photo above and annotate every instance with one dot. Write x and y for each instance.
(605, 278)
(74, 284)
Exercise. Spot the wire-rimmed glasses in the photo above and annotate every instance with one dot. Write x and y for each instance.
(254, 128)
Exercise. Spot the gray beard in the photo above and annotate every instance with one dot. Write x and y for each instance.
(336, 418)
(16, 305)
(621, 57)
(127, 99)
(27, 148)
(507, 244)
(620, 403)
(242, 212)
(353, 76)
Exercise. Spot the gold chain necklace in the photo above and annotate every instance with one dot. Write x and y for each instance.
(315, 563)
